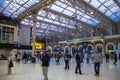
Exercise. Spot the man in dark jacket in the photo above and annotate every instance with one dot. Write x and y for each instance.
(45, 64)
(78, 61)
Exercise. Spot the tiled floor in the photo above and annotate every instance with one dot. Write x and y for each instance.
(32, 71)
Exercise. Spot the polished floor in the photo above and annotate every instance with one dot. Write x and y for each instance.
(32, 71)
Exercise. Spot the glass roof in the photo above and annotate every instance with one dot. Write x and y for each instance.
(107, 7)
(66, 8)
(13, 8)
(44, 26)
(53, 19)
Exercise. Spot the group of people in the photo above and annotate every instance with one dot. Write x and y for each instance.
(112, 55)
(96, 60)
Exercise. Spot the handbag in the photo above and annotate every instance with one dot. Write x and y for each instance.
(10, 63)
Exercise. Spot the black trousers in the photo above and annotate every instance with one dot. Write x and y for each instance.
(107, 60)
(66, 64)
(78, 67)
(97, 67)
(115, 61)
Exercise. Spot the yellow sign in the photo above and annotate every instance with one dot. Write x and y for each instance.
(38, 45)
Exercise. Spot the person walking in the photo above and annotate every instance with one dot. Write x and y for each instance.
(78, 61)
(66, 59)
(45, 64)
(107, 57)
(97, 59)
(115, 58)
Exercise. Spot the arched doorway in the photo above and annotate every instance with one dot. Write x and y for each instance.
(99, 48)
(90, 48)
(110, 47)
(81, 49)
(67, 49)
(73, 50)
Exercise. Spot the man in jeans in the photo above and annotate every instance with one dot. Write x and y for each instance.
(45, 64)
(97, 59)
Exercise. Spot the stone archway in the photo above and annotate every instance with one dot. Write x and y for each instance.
(81, 48)
(99, 48)
(73, 49)
(110, 47)
(66, 49)
(89, 48)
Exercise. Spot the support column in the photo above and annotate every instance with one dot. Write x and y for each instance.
(46, 40)
(34, 33)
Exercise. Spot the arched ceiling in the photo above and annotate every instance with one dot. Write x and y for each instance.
(63, 16)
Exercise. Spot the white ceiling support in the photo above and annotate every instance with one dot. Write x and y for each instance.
(41, 5)
(44, 29)
(40, 21)
(65, 16)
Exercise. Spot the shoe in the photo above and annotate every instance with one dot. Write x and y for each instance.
(76, 72)
(80, 73)
(96, 74)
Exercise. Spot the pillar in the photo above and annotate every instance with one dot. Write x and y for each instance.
(34, 33)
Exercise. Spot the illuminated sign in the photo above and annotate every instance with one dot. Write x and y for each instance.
(38, 46)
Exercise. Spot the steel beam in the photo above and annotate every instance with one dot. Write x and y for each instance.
(118, 3)
(104, 19)
(66, 16)
(37, 7)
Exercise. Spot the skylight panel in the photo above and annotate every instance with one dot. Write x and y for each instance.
(69, 26)
(58, 3)
(56, 8)
(37, 25)
(18, 6)
(66, 12)
(21, 9)
(40, 31)
(62, 24)
(7, 13)
(87, 0)
(102, 1)
(52, 16)
(109, 3)
(79, 13)
(118, 19)
(43, 26)
(70, 9)
(83, 19)
(103, 9)
(95, 3)
(108, 7)
(41, 12)
(90, 22)
(108, 13)
(48, 20)
(39, 18)
(1, 9)
(118, 13)
(55, 22)
(113, 17)
(87, 17)
(115, 9)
